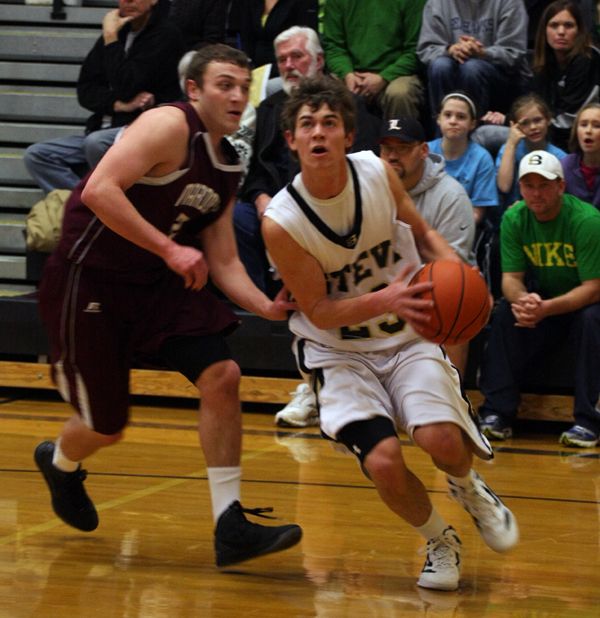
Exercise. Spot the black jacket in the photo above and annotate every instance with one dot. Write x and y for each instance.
(272, 166)
(108, 74)
(200, 21)
(257, 41)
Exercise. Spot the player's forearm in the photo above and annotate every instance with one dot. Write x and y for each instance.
(330, 313)
(234, 282)
(432, 246)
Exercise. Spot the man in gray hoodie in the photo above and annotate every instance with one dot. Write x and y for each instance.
(479, 47)
(440, 199)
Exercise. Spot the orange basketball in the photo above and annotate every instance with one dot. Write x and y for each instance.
(461, 306)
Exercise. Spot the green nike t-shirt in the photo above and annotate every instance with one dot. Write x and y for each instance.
(561, 253)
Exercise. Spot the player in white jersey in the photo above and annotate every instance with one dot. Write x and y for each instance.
(345, 237)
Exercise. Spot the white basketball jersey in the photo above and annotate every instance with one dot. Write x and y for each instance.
(360, 245)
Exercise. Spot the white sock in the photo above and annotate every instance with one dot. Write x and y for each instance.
(466, 482)
(61, 462)
(433, 527)
(224, 486)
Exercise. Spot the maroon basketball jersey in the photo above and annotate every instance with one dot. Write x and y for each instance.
(179, 205)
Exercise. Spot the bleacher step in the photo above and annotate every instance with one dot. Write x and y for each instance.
(19, 198)
(48, 43)
(13, 267)
(39, 72)
(29, 133)
(12, 168)
(40, 103)
(14, 290)
(15, 12)
(12, 233)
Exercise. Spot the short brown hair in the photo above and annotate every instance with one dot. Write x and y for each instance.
(316, 92)
(214, 53)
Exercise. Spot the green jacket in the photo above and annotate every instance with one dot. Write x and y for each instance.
(379, 36)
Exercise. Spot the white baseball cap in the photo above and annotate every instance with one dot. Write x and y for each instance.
(541, 162)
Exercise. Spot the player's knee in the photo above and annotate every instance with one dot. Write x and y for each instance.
(384, 464)
(375, 442)
(444, 442)
(221, 379)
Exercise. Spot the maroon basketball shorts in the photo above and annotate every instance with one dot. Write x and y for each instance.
(96, 324)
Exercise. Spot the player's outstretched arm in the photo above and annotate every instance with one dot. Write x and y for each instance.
(230, 276)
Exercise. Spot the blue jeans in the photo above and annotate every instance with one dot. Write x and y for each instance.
(491, 136)
(60, 163)
(511, 351)
(485, 83)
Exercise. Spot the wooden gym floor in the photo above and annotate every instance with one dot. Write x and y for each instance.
(152, 556)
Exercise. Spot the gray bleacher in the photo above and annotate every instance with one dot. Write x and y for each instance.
(41, 50)
(39, 64)
(40, 56)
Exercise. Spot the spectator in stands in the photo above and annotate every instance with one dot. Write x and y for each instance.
(132, 67)
(466, 161)
(130, 242)
(530, 120)
(478, 47)
(200, 21)
(566, 66)
(262, 20)
(473, 167)
(536, 8)
(374, 51)
(551, 237)
(564, 79)
(582, 167)
(440, 199)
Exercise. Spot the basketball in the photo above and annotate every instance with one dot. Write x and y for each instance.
(461, 305)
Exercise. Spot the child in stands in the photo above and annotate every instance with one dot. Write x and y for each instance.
(530, 119)
(472, 165)
(466, 161)
(582, 168)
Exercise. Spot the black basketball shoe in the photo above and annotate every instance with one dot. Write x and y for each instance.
(237, 539)
(69, 499)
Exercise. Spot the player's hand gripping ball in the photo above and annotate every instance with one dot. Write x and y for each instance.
(461, 302)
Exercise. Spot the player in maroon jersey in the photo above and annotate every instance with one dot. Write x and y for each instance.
(141, 235)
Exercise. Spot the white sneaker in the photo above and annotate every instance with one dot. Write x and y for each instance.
(497, 525)
(441, 570)
(301, 411)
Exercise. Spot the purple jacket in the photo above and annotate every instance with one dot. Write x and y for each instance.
(576, 184)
